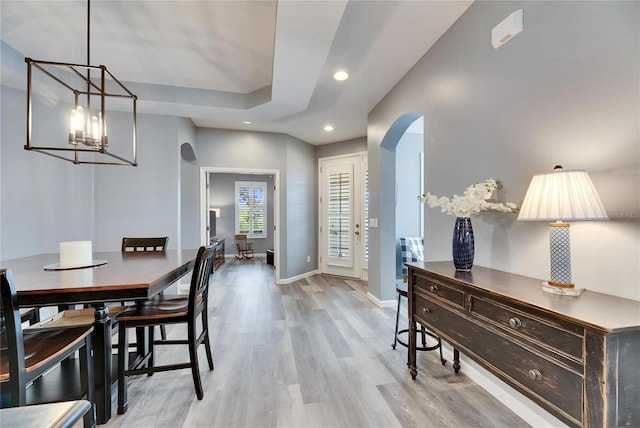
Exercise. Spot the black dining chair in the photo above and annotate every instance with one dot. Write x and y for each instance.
(27, 354)
(165, 309)
(144, 244)
(159, 244)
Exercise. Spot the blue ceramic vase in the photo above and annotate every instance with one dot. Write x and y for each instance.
(463, 244)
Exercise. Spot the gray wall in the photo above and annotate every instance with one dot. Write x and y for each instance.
(43, 200)
(190, 237)
(297, 165)
(564, 91)
(346, 147)
(300, 236)
(141, 201)
(222, 195)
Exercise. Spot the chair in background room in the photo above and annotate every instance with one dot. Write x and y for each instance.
(169, 310)
(27, 354)
(412, 250)
(244, 247)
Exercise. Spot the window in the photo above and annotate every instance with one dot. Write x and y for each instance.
(251, 209)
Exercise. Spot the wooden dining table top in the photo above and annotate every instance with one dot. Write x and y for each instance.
(125, 276)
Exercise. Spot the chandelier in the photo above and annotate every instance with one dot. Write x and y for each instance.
(89, 88)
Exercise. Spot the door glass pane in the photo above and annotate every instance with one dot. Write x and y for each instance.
(366, 215)
(339, 213)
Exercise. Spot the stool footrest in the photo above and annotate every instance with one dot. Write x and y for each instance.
(418, 348)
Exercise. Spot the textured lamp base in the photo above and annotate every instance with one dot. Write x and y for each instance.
(565, 291)
(560, 252)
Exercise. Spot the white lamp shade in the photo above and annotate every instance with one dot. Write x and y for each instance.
(562, 195)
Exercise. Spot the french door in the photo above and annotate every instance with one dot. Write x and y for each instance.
(342, 229)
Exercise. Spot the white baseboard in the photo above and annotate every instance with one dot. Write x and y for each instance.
(298, 277)
(381, 303)
(522, 406)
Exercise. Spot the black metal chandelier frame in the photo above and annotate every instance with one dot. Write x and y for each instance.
(89, 88)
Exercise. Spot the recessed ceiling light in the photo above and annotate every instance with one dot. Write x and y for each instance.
(328, 128)
(246, 122)
(341, 75)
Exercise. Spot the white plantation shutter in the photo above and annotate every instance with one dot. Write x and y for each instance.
(366, 215)
(251, 209)
(339, 215)
(259, 210)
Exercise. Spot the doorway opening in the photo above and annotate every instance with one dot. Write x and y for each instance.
(409, 212)
(218, 207)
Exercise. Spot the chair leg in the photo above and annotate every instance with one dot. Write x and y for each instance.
(151, 349)
(163, 332)
(87, 381)
(207, 345)
(193, 356)
(123, 354)
(395, 335)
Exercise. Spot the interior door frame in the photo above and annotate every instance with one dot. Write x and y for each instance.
(363, 162)
(204, 209)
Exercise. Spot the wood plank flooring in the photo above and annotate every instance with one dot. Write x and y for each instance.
(314, 353)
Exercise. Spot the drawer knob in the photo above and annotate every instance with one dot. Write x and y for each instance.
(515, 322)
(433, 288)
(426, 310)
(534, 374)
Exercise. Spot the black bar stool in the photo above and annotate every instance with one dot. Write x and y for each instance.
(403, 292)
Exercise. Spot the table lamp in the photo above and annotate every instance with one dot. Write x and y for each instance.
(559, 197)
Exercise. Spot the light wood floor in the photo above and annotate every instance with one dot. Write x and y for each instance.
(314, 353)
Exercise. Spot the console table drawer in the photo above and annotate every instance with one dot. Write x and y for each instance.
(439, 288)
(563, 337)
(542, 379)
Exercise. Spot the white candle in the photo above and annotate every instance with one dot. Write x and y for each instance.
(75, 253)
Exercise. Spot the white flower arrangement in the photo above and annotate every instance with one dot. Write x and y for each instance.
(475, 199)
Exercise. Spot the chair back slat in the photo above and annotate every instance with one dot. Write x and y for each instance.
(13, 337)
(200, 280)
(145, 244)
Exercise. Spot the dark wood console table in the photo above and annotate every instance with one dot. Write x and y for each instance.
(577, 357)
(218, 256)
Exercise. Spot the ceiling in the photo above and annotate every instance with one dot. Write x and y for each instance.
(224, 62)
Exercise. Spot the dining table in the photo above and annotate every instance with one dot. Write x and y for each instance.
(114, 276)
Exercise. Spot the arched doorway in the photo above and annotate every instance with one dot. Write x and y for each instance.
(382, 281)
(409, 214)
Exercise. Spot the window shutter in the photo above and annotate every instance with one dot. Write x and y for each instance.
(339, 215)
(251, 209)
(366, 215)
